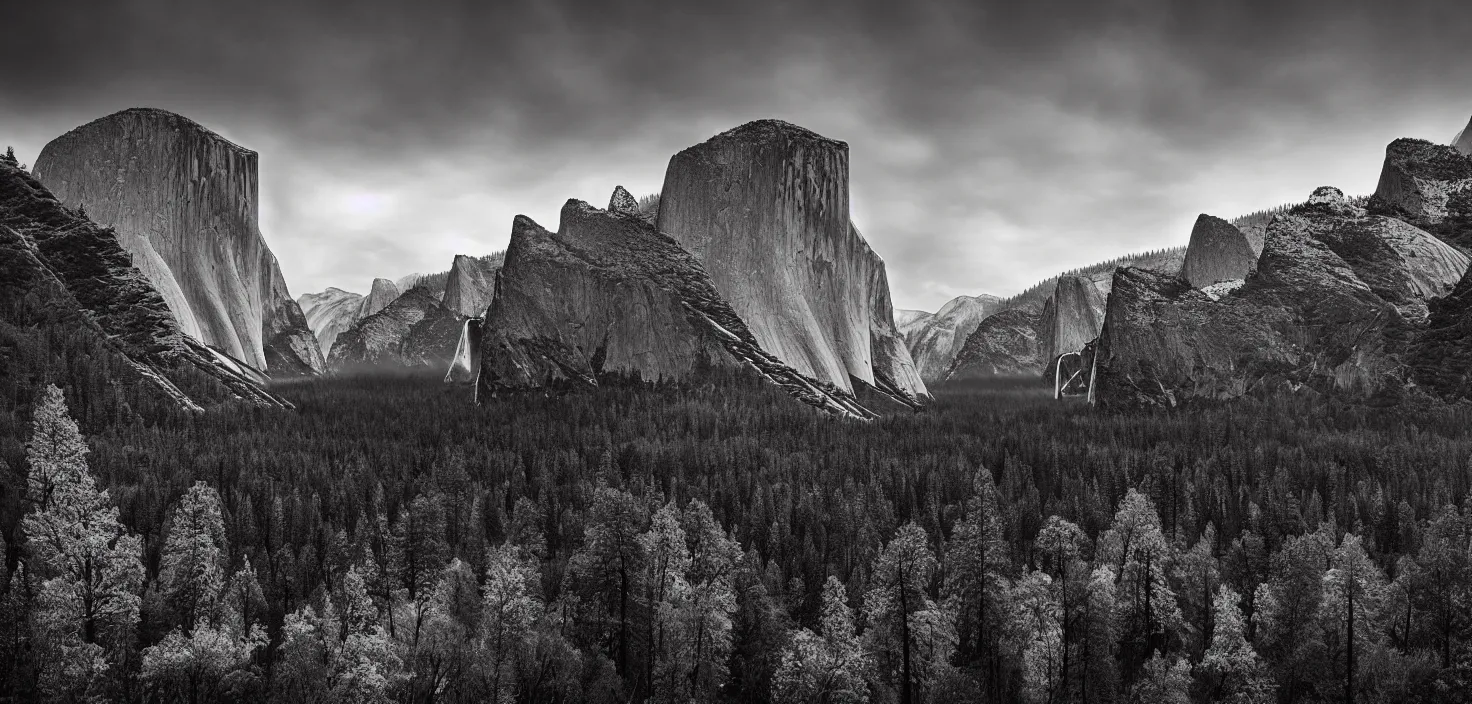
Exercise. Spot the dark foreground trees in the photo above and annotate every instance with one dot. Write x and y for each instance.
(389, 542)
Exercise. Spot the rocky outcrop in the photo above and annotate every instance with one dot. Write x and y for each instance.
(330, 313)
(1004, 344)
(623, 202)
(1335, 304)
(765, 209)
(607, 294)
(1218, 252)
(472, 283)
(63, 272)
(935, 342)
(184, 203)
(1429, 186)
(1463, 141)
(380, 294)
(1072, 316)
(415, 330)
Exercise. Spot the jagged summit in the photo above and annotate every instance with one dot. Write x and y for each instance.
(1218, 252)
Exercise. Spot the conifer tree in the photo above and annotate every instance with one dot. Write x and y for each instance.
(828, 667)
(90, 565)
(1238, 673)
(909, 635)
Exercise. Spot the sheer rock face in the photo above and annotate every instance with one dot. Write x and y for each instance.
(184, 203)
(472, 284)
(1429, 186)
(1072, 316)
(608, 294)
(330, 313)
(58, 268)
(935, 342)
(380, 294)
(1218, 252)
(1004, 344)
(765, 209)
(1335, 303)
(415, 330)
(1463, 142)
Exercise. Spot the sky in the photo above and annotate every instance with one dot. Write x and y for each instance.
(991, 144)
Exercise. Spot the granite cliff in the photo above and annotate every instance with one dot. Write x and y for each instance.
(330, 313)
(1073, 315)
(1335, 304)
(472, 283)
(765, 209)
(1004, 344)
(1429, 186)
(1218, 252)
(64, 276)
(608, 294)
(183, 201)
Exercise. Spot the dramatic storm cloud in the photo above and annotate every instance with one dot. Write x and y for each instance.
(992, 144)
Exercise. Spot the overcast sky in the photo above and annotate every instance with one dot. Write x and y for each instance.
(992, 144)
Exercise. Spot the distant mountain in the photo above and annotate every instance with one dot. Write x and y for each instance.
(184, 203)
(72, 303)
(472, 283)
(936, 339)
(415, 330)
(764, 207)
(329, 313)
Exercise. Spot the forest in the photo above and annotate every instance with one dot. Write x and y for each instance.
(389, 541)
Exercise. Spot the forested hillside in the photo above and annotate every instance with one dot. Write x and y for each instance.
(388, 541)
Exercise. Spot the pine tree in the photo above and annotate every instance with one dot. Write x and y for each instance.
(606, 571)
(1353, 590)
(976, 577)
(191, 573)
(1135, 544)
(1041, 638)
(1236, 672)
(508, 611)
(903, 621)
(91, 566)
(1162, 681)
(828, 667)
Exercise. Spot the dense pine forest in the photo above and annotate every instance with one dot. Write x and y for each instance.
(390, 541)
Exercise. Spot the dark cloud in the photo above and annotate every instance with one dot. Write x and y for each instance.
(992, 143)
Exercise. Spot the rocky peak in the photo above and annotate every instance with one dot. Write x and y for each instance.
(622, 202)
(380, 294)
(472, 284)
(165, 182)
(935, 343)
(1463, 141)
(414, 330)
(1218, 252)
(1429, 186)
(1072, 316)
(1004, 344)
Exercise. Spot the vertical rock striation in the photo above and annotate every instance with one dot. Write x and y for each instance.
(330, 313)
(1072, 316)
(380, 294)
(765, 209)
(184, 203)
(472, 284)
(1218, 252)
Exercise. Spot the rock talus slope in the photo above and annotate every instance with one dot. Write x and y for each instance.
(765, 209)
(184, 203)
(79, 273)
(1337, 300)
(608, 294)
